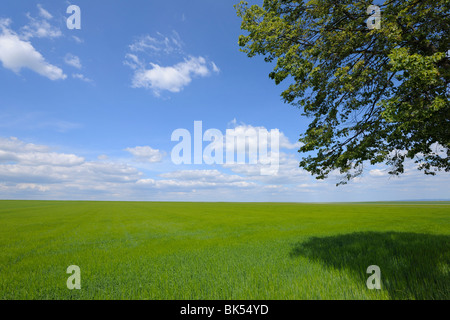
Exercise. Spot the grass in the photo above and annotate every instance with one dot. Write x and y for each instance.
(151, 250)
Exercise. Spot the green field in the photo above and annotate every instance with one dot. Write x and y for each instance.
(152, 250)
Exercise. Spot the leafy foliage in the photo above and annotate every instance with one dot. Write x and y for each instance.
(374, 95)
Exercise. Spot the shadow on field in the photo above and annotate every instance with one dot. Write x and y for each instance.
(413, 265)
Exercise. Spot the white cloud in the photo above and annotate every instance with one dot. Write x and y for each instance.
(378, 173)
(158, 44)
(242, 129)
(255, 137)
(15, 145)
(16, 54)
(157, 77)
(15, 150)
(132, 61)
(77, 39)
(52, 158)
(40, 28)
(146, 154)
(73, 61)
(288, 171)
(26, 163)
(173, 78)
(32, 186)
(197, 179)
(215, 68)
(202, 176)
(44, 13)
(32, 171)
(82, 77)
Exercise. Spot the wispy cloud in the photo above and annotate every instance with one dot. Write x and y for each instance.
(44, 13)
(36, 121)
(77, 39)
(158, 44)
(73, 61)
(215, 68)
(40, 27)
(82, 77)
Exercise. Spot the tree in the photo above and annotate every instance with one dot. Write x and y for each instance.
(374, 95)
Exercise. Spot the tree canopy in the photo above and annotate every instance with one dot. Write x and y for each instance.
(374, 95)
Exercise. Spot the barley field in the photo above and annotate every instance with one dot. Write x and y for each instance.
(173, 250)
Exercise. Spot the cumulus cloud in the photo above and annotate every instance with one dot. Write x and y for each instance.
(243, 129)
(253, 145)
(29, 163)
(28, 154)
(288, 171)
(197, 179)
(378, 173)
(173, 78)
(202, 176)
(52, 158)
(146, 154)
(27, 168)
(15, 145)
(157, 77)
(33, 171)
(16, 54)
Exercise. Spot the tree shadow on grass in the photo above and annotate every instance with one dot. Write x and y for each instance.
(413, 265)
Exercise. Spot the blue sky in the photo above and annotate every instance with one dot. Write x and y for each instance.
(88, 114)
